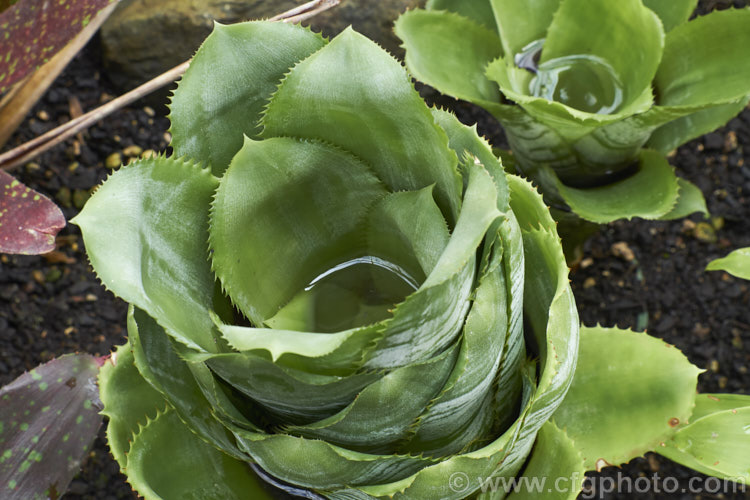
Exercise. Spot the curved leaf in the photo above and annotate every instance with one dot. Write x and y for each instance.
(705, 61)
(716, 440)
(166, 460)
(277, 191)
(373, 112)
(146, 232)
(650, 193)
(450, 52)
(736, 263)
(128, 400)
(223, 92)
(517, 27)
(690, 200)
(626, 402)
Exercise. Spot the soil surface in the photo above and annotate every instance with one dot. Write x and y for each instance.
(634, 274)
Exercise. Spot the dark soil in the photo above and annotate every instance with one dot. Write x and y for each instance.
(635, 274)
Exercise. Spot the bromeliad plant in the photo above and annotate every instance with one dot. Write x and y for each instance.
(336, 284)
(581, 87)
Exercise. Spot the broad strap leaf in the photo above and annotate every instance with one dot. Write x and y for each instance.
(49, 417)
(690, 200)
(146, 232)
(232, 76)
(521, 22)
(54, 25)
(29, 221)
(479, 11)
(625, 403)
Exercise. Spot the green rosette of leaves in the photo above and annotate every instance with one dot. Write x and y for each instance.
(591, 93)
(327, 280)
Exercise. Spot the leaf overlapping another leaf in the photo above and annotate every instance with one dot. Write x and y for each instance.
(308, 172)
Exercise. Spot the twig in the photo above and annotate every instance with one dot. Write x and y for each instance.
(37, 146)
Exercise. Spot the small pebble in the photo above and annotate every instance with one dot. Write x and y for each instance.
(149, 153)
(132, 151)
(623, 251)
(150, 111)
(113, 161)
(705, 232)
(43, 115)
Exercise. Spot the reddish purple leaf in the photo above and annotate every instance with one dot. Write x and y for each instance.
(48, 419)
(32, 31)
(29, 221)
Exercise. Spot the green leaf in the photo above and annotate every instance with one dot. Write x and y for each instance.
(280, 190)
(517, 26)
(450, 52)
(716, 440)
(693, 125)
(166, 460)
(705, 61)
(690, 200)
(128, 400)
(223, 93)
(479, 11)
(624, 34)
(627, 401)
(30, 220)
(736, 263)
(146, 232)
(650, 193)
(555, 457)
(372, 111)
(672, 12)
(405, 392)
(49, 418)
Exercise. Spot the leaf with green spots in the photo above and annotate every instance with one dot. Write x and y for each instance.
(41, 451)
(34, 30)
(29, 221)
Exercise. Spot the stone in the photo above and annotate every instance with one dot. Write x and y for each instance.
(144, 38)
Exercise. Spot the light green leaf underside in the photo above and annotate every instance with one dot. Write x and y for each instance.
(672, 12)
(736, 263)
(305, 201)
(223, 93)
(717, 439)
(128, 401)
(689, 200)
(450, 52)
(146, 233)
(693, 125)
(554, 457)
(624, 34)
(465, 140)
(625, 403)
(167, 461)
(705, 61)
(373, 111)
(521, 22)
(480, 11)
(649, 193)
